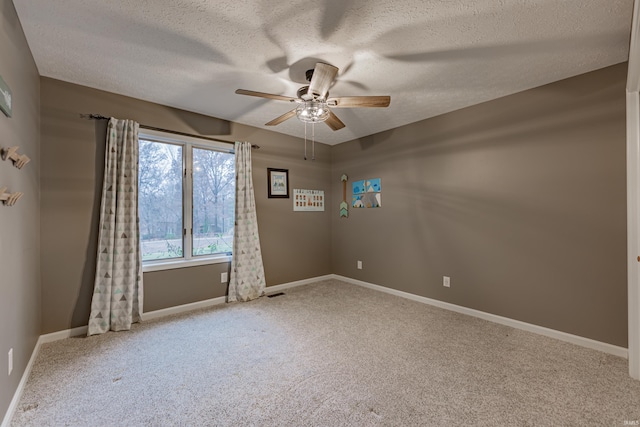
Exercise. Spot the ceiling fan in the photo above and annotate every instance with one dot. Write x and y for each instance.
(314, 104)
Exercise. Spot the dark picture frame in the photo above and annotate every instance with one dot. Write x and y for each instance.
(278, 183)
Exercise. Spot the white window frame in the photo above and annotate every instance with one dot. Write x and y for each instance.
(187, 143)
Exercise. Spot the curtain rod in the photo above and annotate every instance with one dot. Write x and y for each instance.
(92, 116)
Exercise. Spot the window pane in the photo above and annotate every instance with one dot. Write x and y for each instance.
(213, 201)
(160, 200)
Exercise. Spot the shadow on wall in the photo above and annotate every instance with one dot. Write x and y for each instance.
(82, 308)
(371, 141)
(204, 125)
(475, 127)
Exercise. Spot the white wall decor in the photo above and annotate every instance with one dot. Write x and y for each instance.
(308, 200)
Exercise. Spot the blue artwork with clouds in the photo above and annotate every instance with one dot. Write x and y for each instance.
(372, 185)
(358, 187)
(366, 193)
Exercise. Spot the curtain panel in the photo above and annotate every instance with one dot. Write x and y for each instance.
(247, 279)
(117, 296)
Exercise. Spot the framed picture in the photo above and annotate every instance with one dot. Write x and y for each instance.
(5, 98)
(278, 180)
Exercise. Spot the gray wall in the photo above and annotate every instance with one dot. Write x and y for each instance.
(521, 201)
(295, 245)
(19, 224)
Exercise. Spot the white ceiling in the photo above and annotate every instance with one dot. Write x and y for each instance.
(430, 56)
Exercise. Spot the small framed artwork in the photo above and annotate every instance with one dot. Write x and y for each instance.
(5, 98)
(308, 200)
(278, 180)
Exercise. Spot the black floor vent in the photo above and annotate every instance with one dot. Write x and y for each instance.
(275, 295)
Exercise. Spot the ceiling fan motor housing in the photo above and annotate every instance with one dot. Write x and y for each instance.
(303, 93)
(309, 75)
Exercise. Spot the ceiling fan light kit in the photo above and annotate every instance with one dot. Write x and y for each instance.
(312, 111)
(314, 102)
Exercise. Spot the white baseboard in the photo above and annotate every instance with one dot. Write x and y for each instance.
(183, 308)
(221, 300)
(23, 381)
(60, 335)
(541, 330)
(42, 339)
(279, 288)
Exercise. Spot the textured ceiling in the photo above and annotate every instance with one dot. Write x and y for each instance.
(430, 56)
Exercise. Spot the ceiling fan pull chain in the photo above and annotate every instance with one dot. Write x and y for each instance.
(305, 140)
(313, 141)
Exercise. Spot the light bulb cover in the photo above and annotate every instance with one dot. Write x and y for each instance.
(312, 111)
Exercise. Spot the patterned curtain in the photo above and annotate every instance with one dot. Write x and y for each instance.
(247, 272)
(117, 295)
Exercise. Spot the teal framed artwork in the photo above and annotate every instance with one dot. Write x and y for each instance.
(367, 193)
(5, 98)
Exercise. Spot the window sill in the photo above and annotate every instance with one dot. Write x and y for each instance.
(173, 264)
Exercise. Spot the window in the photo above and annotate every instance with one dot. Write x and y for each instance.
(186, 200)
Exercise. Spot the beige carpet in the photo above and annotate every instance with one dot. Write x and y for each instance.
(327, 354)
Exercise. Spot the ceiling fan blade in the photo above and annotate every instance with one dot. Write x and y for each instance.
(334, 122)
(282, 118)
(359, 101)
(323, 75)
(264, 95)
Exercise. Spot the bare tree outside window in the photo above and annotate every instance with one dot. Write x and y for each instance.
(213, 201)
(162, 200)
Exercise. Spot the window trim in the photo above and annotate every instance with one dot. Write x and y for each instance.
(173, 263)
(187, 143)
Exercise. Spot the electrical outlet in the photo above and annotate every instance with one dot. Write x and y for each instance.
(359, 265)
(223, 278)
(446, 281)
(10, 361)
